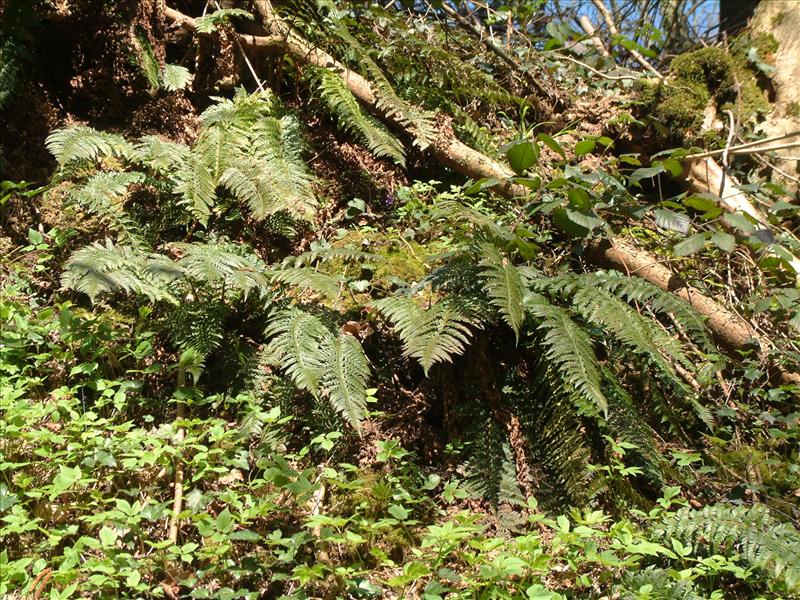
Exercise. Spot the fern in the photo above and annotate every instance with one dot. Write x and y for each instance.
(82, 143)
(175, 77)
(210, 22)
(197, 186)
(327, 365)
(504, 285)
(354, 118)
(433, 335)
(103, 195)
(96, 269)
(751, 531)
(160, 155)
(218, 263)
(344, 378)
(198, 326)
(309, 279)
(569, 349)
(661, 586)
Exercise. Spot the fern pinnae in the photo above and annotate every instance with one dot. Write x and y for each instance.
(344, 380)
(352, 117)
(307, 278)
(504, 286)
(569, 350)
(296, 339)
(433, 335)
(81, 143)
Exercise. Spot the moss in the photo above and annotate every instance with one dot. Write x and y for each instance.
(678, 105)
(792, 109)
(753, 100)
(778, 19)
(710, 67)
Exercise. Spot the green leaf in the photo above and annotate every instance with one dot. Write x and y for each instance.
(690, 245)
(724, 241)
(671, 220)
(700, 202)
(645, 173)
(522, 155)
(739, 221)
(108, 537)
(584, 147)
(551, 143)
(398, 512)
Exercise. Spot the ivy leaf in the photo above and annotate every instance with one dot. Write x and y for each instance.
(690, 245)
(668, 219)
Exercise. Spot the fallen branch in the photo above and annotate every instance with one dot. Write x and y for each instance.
(588, 28)
(733, 331)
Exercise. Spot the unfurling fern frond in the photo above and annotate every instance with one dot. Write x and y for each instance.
(750, 531)
(103, 195)
(504, 285)
(352, 117)
(327, 365)
(217, 263)
(433, 335)
(344, 378)
(309, 279)
(569, 351)
(96, 269)
(81, 143)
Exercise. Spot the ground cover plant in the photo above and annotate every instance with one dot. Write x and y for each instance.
(406, 300)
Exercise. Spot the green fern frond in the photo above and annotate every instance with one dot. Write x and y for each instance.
(323, 252)
(504, 285)
(209, 23)
(661, 302)
(160, 155)
(175, 77)
(659, 583)
(352, 117)
(309, 279)
(750, 531)
(278, 144)
(97, 269)
(103, 195)
(454, 211)
(433, 335)
(570, 352)
(344, 378)
(217, 263)
(327, 365)
(296, 339)
(198, 326)
(240, 112)
(82, 143)
(197, 186)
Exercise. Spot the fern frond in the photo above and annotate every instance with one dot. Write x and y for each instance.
(198, 326)
(209, 23)
(296, 340)
(570, 352)
(161, 155)
(222, 263)
(82, 143)
(175, 77)
(309, 279)
(433, 335)
(452, 210)
(751, 531)
(345, 376)
(238, 113)
(661, 302)
(197, 186)
(503, 283)
(277, 142)
(103, 195)
(661, 586)
(352, 117)
(96, 269)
